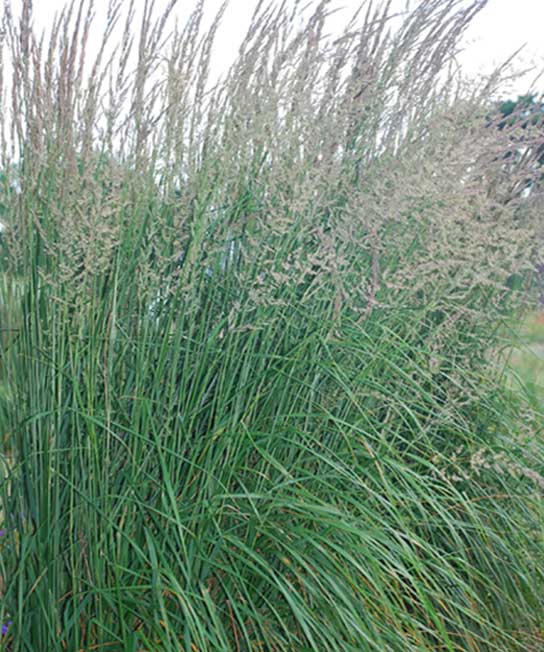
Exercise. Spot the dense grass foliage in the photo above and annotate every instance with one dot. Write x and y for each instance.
(249, 396)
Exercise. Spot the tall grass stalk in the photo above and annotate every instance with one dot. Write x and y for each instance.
(250, 405)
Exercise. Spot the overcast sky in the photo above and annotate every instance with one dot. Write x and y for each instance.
(501, 28)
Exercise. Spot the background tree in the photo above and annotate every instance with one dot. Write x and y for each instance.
(523, 120)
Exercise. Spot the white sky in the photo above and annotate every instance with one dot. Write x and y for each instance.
(501, 28)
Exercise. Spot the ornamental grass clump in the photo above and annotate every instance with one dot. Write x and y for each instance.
(253, 403)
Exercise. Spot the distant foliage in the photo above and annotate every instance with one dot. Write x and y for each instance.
(522, 120)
